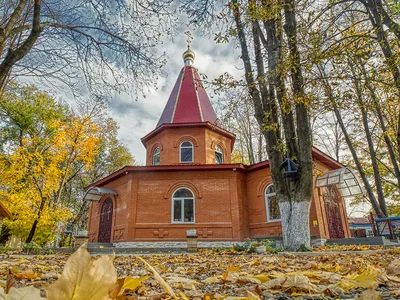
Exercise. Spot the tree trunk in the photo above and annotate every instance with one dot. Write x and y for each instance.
(273, 46)
(36, 221)
(371, 196)
(14, 56)
(370, 142)
(360, 169)
(6, 30)
(32, 232)
(378, 17)
(295, 223)
(378, 112)
(294, 197)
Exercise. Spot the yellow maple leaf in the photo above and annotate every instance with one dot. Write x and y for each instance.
(262, 277)
(84, 278)
(232, 268)
(132, 284)
(366, 279)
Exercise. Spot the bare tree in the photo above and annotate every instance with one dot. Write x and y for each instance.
(236, 113)
(282, 113)
(88, 45)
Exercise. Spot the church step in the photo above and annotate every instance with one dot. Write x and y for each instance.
(113, 250)
(374, 240)
(100, 245)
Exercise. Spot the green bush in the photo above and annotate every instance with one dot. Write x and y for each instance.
(4, 249)
(32, 248)
(304, 248)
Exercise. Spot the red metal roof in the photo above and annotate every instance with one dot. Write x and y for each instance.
(326, 159)
(188, 102)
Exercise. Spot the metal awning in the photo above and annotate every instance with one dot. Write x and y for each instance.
(95, 193)
(346, 180)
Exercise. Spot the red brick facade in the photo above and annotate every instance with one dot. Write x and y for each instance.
(229, 199)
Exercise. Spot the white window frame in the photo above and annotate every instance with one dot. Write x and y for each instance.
(266, 197)
(154, 155)
(180, 152)
(182, 207)
(219, 150)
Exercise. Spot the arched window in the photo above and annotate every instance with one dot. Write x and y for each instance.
(183, 206)
(219, 155)
(272, 205)
(186, 154)
(156, 156)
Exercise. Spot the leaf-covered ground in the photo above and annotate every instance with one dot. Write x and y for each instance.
(207, 276)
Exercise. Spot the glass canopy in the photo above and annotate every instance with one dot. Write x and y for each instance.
(95, 193)
(346, 180)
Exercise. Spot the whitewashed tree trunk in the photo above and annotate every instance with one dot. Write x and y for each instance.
(294, 196)
(295, 223)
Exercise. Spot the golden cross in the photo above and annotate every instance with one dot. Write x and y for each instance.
(189, 38)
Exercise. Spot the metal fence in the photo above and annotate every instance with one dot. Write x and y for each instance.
(389, 227)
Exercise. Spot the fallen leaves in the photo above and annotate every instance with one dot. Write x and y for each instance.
(27, 274)
(132, 284)
(330, 248)
(160, 280)
(365, 279)
(369, 295)
(203, 276)
(394, 267)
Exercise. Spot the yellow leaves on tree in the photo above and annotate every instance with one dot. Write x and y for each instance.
(53, 144)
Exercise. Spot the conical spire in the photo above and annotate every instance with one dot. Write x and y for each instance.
(188, 102)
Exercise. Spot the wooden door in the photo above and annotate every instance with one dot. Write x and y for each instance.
(105, 221)
(332, 208)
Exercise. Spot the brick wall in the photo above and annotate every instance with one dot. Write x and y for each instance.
(202, 138)
(144, 206)
(229, 205)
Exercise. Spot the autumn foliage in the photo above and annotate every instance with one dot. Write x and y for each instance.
(203, 276)
(46, 146)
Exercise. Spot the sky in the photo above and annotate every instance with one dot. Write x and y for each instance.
(138, 118)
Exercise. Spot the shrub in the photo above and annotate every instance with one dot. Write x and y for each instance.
(32, 248)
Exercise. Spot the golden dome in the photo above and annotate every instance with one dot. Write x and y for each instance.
(188, 57)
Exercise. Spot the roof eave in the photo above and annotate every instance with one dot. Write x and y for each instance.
(162, 168)
(326, 159)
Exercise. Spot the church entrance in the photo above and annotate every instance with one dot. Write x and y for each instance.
(105, 221)
(332, 201)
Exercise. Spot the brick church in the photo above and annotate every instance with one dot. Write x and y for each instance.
(189, 182)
